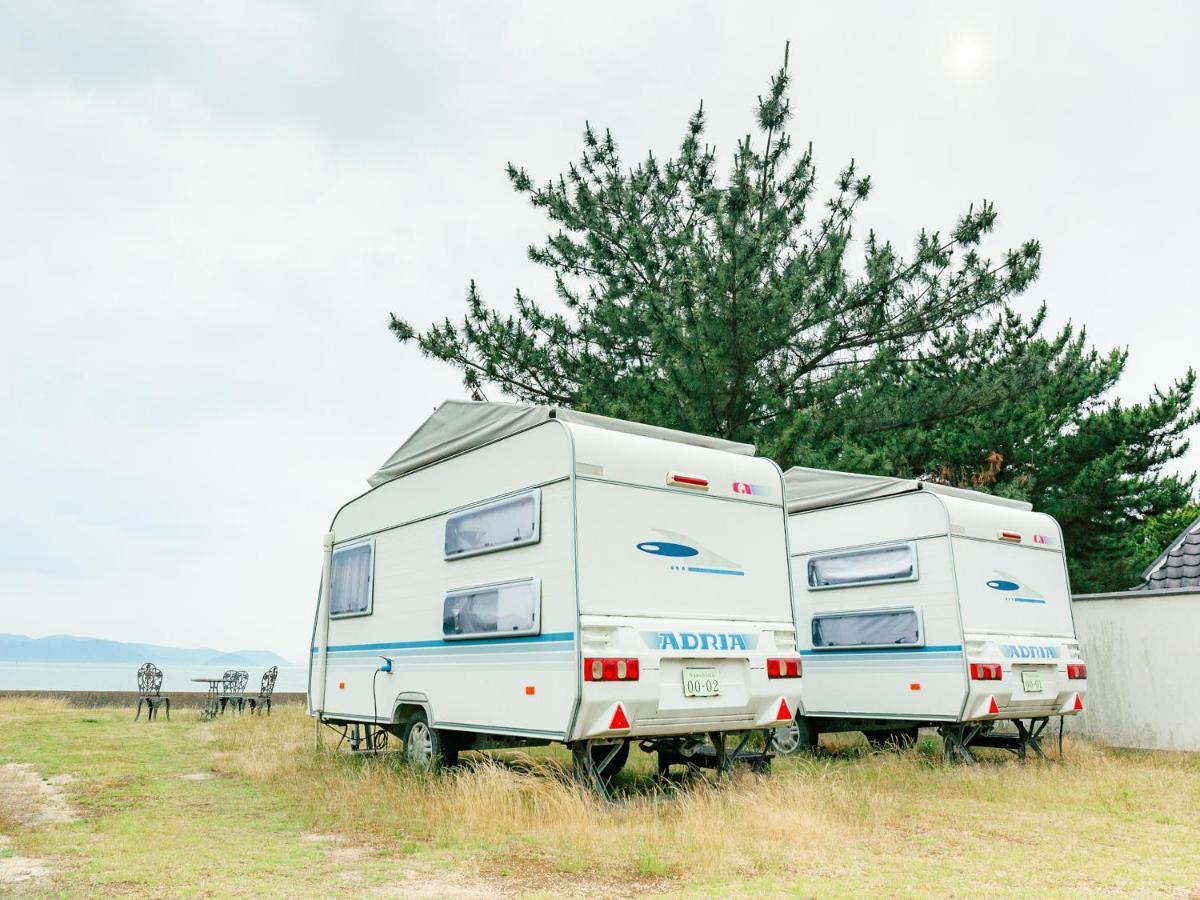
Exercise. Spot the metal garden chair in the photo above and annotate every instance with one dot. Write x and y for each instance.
(264, 692)
(233, 682)
(149, 679)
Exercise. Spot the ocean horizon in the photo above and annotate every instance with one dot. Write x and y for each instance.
(54, 676)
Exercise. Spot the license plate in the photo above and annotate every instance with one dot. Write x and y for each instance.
(701, 681)
(1031, 681)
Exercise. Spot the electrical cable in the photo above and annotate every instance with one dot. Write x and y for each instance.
(374, 710)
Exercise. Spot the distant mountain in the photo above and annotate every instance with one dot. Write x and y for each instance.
(64, 648)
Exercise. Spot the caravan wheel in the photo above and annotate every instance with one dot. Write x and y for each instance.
(424, 747)
(798, 736)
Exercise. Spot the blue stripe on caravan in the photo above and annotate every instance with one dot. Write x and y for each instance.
(714, 571)
(450, 645)
(882, 651)
(1028, 600)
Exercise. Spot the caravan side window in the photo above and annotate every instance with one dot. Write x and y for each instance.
(513, 609)
(499, 525)
(881, 628)
(352, 581)
(871, 565)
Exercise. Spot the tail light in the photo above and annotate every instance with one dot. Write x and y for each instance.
(784, 668)
(1076, 670)
(678, 479)
(1009, 536)
(611, 670)
(986, 672)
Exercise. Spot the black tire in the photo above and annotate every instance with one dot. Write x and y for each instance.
(798, 737)
(425, 747)
(893, 738)
(615, 765)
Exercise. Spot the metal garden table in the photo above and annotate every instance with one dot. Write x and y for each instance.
(213, 705)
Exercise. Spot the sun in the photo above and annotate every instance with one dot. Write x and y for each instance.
(966, 56)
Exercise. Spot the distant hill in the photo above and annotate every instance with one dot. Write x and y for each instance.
(67, 648)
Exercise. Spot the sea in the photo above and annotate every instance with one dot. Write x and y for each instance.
(42, 676)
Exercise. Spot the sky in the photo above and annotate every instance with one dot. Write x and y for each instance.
(208, 210)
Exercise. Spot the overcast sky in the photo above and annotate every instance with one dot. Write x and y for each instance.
(207, 211)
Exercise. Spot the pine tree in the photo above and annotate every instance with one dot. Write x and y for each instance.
(726, 307)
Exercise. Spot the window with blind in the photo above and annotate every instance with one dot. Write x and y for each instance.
(870, 565)
(352, 581)
(499, 525)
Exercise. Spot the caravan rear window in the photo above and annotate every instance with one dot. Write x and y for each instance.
(350, 582)
(512, 609)
(870, 565)
(499, 525)
(880, 628)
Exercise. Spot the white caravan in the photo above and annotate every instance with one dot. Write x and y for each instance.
(919, 604)
(524, 574)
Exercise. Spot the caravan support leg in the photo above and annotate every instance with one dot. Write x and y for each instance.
(956, 739)
(1028, 737)
(591, 761)
(725, 758)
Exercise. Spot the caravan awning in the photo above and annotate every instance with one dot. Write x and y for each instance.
(820, 488)
(460, 425)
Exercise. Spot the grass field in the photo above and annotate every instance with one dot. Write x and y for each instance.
(251, 807)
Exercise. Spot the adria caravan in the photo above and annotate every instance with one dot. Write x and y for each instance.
(920, 604)
(525, 574)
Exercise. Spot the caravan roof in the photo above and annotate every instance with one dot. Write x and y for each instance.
(819, 488)
(460, 425)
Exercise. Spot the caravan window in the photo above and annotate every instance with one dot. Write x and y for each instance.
(881, 628)
(511, 522)
(350, 584)
(871, 565)
(494, 610)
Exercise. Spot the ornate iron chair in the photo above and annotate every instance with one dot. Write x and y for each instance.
(264, 692)
(233, 682)
(149, 678)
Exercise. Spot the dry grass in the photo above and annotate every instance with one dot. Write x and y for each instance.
(875, 817)
(281, 817)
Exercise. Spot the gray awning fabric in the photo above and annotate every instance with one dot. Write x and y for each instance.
(460, 425)
(819, 488)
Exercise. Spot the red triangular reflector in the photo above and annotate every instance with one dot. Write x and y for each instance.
(1078, 702)
(784, 714)
(993, 709)
(619, 721)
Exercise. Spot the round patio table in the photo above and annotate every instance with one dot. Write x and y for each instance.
(213, 706)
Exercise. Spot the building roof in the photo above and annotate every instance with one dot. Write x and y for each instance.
(1179, 564)
(460, 425)
(820, 488)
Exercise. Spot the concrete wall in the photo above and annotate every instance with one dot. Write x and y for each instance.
(1143, 656)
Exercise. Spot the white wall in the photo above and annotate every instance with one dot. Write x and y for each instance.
(1143, 654)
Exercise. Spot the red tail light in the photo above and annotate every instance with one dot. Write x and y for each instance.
(784, 668)
(611, 670)
(1076, 670)
(678, 479)
(1009, 536)
(986, 672)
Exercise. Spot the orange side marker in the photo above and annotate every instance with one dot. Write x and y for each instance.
(915, 686)
(530, 690)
